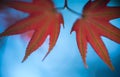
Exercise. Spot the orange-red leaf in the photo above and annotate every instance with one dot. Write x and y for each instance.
(93, 25)
(44, 20)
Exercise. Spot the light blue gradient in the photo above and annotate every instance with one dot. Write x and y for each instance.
(64, 60)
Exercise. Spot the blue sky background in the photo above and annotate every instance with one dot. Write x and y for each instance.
(64, 60)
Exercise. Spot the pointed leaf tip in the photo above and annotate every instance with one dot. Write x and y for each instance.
(25, 57)
(112, 68)
(45, 56)
(84, 61)
(61, 20)
(71, 31)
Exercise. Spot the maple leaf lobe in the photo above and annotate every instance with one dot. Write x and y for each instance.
(44, 20)
(93, 25)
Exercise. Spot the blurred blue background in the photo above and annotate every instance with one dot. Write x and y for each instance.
(64, 60)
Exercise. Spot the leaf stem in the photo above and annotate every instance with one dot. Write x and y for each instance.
(67, 7)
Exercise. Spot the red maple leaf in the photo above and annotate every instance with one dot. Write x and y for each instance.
(44, 20)
(94, 24)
